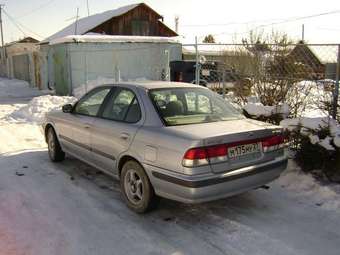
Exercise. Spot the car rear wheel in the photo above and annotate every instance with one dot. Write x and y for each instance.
(138, 192)
(54, 149)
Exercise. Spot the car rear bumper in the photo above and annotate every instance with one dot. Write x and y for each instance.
(202, 188)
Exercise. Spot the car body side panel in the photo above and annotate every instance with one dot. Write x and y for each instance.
(109, 139)
(61, 123)
(168, 148)
(81, 132)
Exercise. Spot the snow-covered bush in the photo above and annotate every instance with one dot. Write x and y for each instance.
(273, 114)
(316, 142)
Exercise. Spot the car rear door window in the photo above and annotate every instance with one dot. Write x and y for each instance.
(123, 106)
(183, 106)
(89, 105)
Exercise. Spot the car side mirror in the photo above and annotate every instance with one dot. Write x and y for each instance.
(67, 108)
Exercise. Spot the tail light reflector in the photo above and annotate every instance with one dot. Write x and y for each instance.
(205, 155)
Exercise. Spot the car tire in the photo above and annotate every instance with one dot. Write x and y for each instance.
(54, 149)
(137, 190)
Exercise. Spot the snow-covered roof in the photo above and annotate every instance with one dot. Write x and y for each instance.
(88, 23)
(214, 50)
(325, 53)
(98, 38)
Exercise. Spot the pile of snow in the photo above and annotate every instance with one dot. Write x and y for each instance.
(310, 126)
(18, 89)
(36, 109)
(260, 110)
(81, 90)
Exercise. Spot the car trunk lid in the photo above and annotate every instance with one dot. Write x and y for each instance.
(243, 140)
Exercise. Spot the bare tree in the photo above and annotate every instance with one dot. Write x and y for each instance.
(275, 76)
(209, 39)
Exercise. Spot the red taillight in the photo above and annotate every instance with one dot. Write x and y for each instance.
(217, 151)
(202, 156)
(197, 153)
(273, 143)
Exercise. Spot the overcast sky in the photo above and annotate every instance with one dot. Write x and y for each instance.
(228, 20)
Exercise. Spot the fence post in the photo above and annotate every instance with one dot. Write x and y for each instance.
(197, 67)
(86, 74)
(117, 74)
(167, 75)
(336, 91)
(223, 80)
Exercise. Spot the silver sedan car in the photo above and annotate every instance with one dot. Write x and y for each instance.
(165, 139)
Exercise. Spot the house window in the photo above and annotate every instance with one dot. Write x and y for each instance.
(140, 27)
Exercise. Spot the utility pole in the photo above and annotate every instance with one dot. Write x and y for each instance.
(176, 24)
(336, 90)
(3, 53)
(76, 24)
(88, 8)
(303, 33)
(197, 67)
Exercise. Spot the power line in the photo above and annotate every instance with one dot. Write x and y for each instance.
(300, 18)
(328, 28)
(280, 22)
(14, 23)
(21, 26)
(228, 24)
(35, 9)
(88, 8)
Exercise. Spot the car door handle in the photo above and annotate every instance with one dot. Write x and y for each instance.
(124, 136)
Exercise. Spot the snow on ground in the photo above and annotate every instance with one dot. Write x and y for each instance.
(293, 179)
(70, 208)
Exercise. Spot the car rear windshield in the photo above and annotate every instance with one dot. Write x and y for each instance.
(183, 106)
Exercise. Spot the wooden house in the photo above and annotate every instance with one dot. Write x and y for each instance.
(132, 20)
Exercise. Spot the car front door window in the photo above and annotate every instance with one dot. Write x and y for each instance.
(123, 107)
(90, 104)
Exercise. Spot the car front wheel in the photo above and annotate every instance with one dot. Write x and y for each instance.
(54, 149)
(138, 192)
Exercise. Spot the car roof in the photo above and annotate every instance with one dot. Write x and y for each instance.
(157, 84)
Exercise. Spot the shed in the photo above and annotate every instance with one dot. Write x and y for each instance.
(74, 61)
(21, 61)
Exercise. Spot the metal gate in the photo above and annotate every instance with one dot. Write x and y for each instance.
(21, 67)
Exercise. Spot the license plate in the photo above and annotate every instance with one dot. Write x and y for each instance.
(244, 149)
